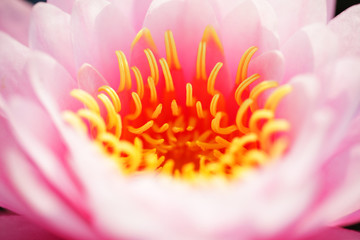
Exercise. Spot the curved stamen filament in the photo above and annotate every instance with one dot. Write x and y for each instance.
(138, 106)
(139, 82)
(215, 125)
(240, 116)
(152, 88)
(189, 95)
(171, 52)
(274, 99)
(157, 111)
(212, 78)
(142, 129)
(243, 85)
(262, 114)
(201, 62)
(113, 96)
(271, 127)
(258, 89)
(86, 99)
(244, 63)
(154, 70)
(125, 77)
(199, 110)
(169, 85)
(213, 104)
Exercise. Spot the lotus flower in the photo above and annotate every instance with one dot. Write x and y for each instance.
(179, 119)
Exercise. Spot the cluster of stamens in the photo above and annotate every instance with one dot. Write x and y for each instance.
(198, 136)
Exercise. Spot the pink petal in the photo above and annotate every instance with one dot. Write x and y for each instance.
(334, 234)
(293, 15)
(15, 18)
(238, 37)
(270, 65)
(15, 227)
(90, 79)
(83, 29)
(346, 26)
(113, 31)
(46, 207)
(13, 57)
(50, 33)
(48, 75)
(65, 5)
(187, 20)
(299, 56)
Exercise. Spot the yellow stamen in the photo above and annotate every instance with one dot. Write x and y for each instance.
(94, 119)
(210, 33)
(111, 113)
(154, 69)
(151, 140)
(86, 99)
(144, 33)
(201, 62)
(75, 121)
(113, 96)
(138, 106)
(153, 93)
(274, 99)
(199, 110)
(262, 114)
(243, 85)
(189, 95)
(171, 52)
(139, 82)
(272, 126)
(125, 77)
(213, 104)
(212, 78)
(142, 129)
(174, 108)
(169, 85)
(240, 116)
(215, 125)
(258, 89)
(157, 111)
(244, 63)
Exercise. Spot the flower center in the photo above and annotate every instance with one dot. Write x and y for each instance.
(192, 131)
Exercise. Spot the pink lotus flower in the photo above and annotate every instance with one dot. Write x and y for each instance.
(179, 119)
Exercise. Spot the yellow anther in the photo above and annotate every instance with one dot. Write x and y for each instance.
(192, 124)
(113, 96)
(178, 129)
(222, 141)
(212, 78)
(243, 85)
(274, 99)
(171, 136)
(279, 147)
(118, 127)
(188, 171)
(151, 140)
(174, 108)
(205, 146)
(111, 113)
(154, 69)
(152, 88)
(255, 157)
(142, 129)
(213, 104)
(94, 119)
(109, 140)
(168, 167)
(238, 143)
(258, 89)
(125, 77)
(161, 129)
(146, 34)
(215, 125)
(139, 82)
(86, 99)
(189, 95)
(244, 64)
(75, 121)
(261, 114)
(210, 33)
(201, 62)
(138, 106)
(199, 110)
(169, 85)
(171, 52)
(133, 153)
(240, 116)
(217, 154)
(205, 135)
(271, 127)
(157, 111)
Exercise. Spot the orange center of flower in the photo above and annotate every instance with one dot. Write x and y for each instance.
(191, 133)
